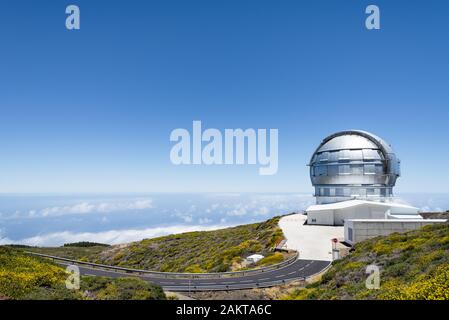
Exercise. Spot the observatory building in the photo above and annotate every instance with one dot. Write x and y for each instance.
(353, 173)
(353, 165)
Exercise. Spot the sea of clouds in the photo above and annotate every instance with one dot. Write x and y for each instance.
(52, 220)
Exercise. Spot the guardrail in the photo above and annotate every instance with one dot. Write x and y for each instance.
(174, 275)
(243, 286)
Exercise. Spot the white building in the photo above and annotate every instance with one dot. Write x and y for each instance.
(335, 214)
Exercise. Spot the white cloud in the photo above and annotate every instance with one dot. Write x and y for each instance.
(238, 211)
(86, 207)
(262, 211)
(110, 237)
(264, 205)
(204, 220)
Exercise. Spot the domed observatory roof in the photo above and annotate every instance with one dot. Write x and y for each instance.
(353, 165)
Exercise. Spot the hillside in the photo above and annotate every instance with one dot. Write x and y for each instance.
(23, 277)
(413, 265)
(205, 251)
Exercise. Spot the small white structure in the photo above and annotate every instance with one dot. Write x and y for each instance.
(335, 214)
(255, 258)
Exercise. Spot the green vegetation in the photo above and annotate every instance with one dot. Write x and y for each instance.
(101, 288)
(274, 258)
(30, 278)
(206, 251)
(413, 266)
(86, 244)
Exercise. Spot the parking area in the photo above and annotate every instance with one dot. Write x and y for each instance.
(311, 241)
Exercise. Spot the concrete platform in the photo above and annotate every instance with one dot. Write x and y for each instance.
(311, 241)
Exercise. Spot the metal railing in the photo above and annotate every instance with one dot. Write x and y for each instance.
(174, 275)
(243, 286)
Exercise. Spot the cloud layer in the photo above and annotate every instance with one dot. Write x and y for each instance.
(109, 237)
(87, 207)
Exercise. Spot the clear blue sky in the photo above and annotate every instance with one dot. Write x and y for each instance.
(92, 110)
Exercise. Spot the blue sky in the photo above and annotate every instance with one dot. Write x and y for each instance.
(92, 110)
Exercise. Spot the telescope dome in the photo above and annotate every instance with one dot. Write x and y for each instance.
(353, 164)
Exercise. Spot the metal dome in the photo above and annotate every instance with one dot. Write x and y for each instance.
(353, 164)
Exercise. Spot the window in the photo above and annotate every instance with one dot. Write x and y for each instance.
(372, 191)
(326, 192)
(370, 169)
(370, 155)
(379, 169)
(320, 171)
(356, 154)
(344, 155)
(339, 192)
(332, 192)
(323, 157)
(333, 156)
(332, 170)
(357, 169)
(350, 234)
(344, 169)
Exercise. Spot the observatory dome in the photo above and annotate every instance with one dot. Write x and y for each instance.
(353, 164)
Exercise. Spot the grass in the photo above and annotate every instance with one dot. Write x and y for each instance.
(205, 251)
(23, 277)
(413, 266)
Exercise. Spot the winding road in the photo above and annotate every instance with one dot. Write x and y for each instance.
(298, 270)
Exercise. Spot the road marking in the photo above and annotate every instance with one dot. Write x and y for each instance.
(206, 283)
(90, 274)
(229, 282)
(292, 272)
(264, 279)
(301, 269)
(246, 281)
(164, 282)
(280, 276)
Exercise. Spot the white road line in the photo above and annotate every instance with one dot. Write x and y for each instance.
(206, 283)
(280, 276)
(164, 282)
(246, 281)
(292, 272)
(229, 282)
(264, 279)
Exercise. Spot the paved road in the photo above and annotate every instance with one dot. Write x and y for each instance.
(298, 270)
